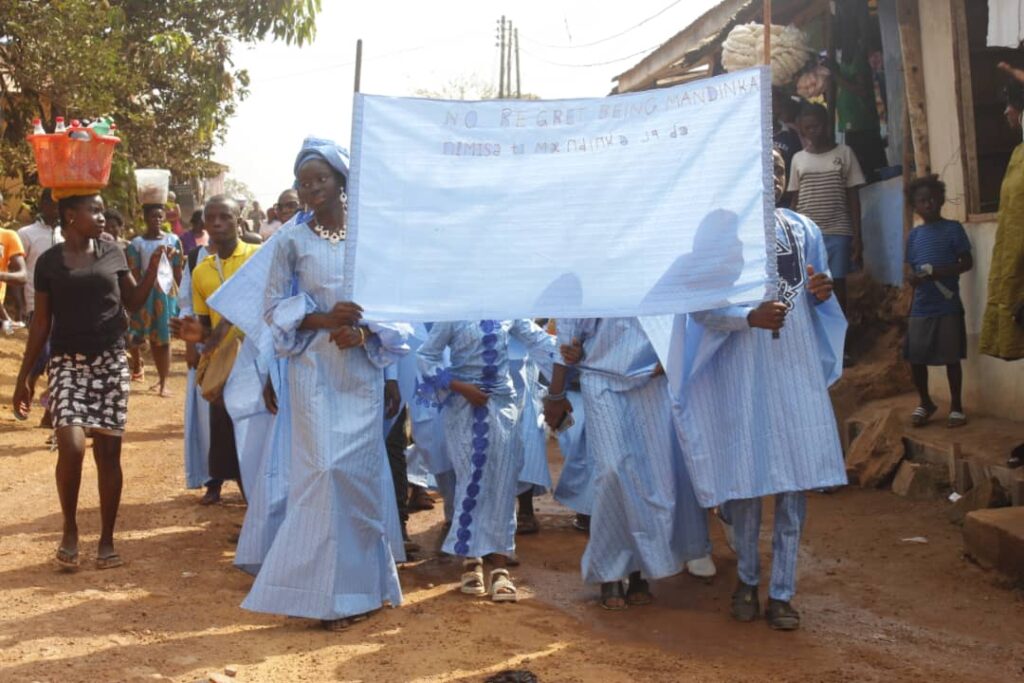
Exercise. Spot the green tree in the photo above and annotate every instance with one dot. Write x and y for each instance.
(163, 70)
(237, 189)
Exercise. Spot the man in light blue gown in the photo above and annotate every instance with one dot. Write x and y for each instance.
(646, 521)
(529, 437)
(258, 401)
(754, 414)
(197, 410)
(575, 488)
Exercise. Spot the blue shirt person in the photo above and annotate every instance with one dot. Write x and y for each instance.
(937, 253)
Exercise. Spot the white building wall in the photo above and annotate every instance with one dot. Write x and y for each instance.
(991, 386)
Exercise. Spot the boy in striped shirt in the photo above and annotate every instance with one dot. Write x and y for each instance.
(824, 182)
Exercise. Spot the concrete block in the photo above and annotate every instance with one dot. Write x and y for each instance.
(988, 493)
(918, 481)
(995, 539)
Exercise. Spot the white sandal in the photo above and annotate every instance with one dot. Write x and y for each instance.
(502, 588)
(473, 577)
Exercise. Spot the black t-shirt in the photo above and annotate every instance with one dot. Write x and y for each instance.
(85, 303)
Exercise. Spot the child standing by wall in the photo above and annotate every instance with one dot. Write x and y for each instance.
(824, 179)
(937, 253)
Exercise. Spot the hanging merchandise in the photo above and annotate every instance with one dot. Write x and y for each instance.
(744, 48)
(74, 160)
(813, 83)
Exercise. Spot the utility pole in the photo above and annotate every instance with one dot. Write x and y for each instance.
(501, 71)
(518, 84)
(508, 62)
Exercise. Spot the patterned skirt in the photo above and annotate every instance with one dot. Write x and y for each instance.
(90, 390)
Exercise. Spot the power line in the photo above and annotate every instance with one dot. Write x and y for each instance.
(585, 66)
(607, 38)
(366, 58)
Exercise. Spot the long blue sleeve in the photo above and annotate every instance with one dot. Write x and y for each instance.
(436, 377)
(541, 346)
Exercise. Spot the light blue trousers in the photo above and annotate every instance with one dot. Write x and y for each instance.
(745, 517)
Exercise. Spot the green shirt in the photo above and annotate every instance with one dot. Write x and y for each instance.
(857, 113)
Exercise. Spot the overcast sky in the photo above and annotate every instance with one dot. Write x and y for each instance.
(412, 45)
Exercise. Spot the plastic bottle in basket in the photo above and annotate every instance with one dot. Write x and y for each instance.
(77, 133)
(37, 127)
(101, 126)
(60, 127)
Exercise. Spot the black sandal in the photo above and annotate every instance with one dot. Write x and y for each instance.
(639, 592)
(612, 591)
(1016, 458)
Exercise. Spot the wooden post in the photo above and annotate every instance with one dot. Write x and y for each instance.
(965, 96)
(767, 12)
(908, 174)
(909, 19)
(359, 64)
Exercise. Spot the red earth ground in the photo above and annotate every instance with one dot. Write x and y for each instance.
(875, 608)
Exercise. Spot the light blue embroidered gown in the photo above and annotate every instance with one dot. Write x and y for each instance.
(575, 488)
(530, 436)
(334, 555)
(753, 413)
(197, 410)
(479, 440)
(645, 516)
(263, 453)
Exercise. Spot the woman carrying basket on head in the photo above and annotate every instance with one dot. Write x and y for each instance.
(82, 288)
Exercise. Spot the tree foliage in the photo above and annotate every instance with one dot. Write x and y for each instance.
(162, 69)
(237, 189)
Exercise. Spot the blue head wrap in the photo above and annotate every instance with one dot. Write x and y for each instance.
(329, 151)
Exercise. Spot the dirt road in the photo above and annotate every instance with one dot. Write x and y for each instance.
(874, 608)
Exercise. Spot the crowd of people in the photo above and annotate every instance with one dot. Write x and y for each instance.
(327, 422)
(334, 427)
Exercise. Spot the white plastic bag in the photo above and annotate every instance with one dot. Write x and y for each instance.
(165, 275)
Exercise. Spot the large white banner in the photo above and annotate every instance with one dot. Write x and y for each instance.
(648, 203)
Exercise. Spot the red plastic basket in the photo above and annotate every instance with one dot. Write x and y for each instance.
(66, 163)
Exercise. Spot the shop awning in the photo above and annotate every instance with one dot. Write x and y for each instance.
(679, 58)
(674, 56)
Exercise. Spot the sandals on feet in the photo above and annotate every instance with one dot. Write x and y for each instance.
(956, 419)
(502, 588)
(67, 560)
(613, 598)
(1016, 458)
(211, 497)
(345, 622)
(526, 525)
(921, 415)
(639, 591)
(419, 499)
(109, 561)
(473, 577)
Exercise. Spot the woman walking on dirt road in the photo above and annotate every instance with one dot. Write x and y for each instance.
(82, 288)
